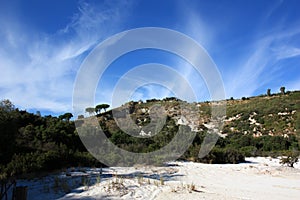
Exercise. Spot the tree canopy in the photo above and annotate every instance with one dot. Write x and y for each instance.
(66, 116)
(99, 107)
(32, 143)
(90, 110)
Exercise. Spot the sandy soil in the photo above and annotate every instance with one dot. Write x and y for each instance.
(259, 178)
(262, 178)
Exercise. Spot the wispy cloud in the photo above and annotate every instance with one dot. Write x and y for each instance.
(276, 5)
(38, 69)
(259, 60)
(204, 34)
(262, 65)
(286, 52)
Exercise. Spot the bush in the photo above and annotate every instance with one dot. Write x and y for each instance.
(248, 151)
(290, 159)
(222, 156)
(21, 164)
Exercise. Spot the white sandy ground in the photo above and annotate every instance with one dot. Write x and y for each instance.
(260, 178)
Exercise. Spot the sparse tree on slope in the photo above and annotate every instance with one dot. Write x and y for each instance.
(269, 92)
(90, 110)
(282, 90)
(105, 106)
(80, 117)
(66, 116)
(98, 108)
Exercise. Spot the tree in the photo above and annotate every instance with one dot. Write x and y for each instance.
(66, 116)
(282, 90)
(80, 117)
(7, 105)
(8, 132)
(290, 159)
(90, 110)
(98, 108)
(105, 106)
(269, 92)
(38, 113)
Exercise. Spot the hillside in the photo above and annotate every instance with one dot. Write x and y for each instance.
(275, 115)
(256, 126)
(264, 115)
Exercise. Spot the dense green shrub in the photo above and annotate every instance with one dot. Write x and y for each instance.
(290, 159)
(248, 151)
(222, 156)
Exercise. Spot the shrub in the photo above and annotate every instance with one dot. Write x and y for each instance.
(222, 156)
(248, 151)
(290, 159)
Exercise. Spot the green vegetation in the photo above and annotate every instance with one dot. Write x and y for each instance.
(256, 126)
(90, 110)
(270, 115)
(99, 107)
(290, 159)
(273, 131)
(31, 143)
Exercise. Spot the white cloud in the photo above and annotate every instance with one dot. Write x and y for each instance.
(38, 69)
(257, 65)
(287, 52)
(260, 67)
(201, 31)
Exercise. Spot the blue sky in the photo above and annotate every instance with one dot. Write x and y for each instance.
(255, 45)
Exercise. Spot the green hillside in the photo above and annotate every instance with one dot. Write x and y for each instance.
(273, 115)
(256, 126)
(262, 115)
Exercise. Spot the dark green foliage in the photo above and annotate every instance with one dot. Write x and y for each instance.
(248, 151)
(66, 116)
(170, 99)
(90, 110)
(282, 90)
(235, 147)
(269, 92)
(151, 100)
(290, 159)
(222, 156)
(264, 145)
(137, 144)
(31, 143)
(99, 107)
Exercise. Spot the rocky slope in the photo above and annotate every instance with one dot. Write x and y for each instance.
(262, 115)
